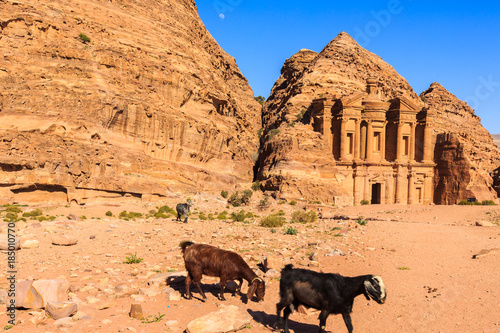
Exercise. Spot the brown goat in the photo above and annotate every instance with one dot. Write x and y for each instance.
(205, 259)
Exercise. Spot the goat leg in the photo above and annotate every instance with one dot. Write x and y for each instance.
(222, 283)
(347, 321)
(322, 320)
(286, 314)
(197, 283)
(188, 284)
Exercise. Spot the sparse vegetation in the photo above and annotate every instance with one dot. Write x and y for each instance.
(238, 217)
(477, 203)
(361, 221)
(260, 99)
(272, 221)
(237, 199)
(301, 216)
(84, 38)
(365, 202)
(290, 231)
(109, 213)
(264, 203)
(256, 186)
(129, 216)
(224, 194)
(404, 268)
(33, 214)
(133, 259)
(293, 203)
(272, 133)
(154, 319)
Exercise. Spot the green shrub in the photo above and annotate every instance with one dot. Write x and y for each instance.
(133, 259)
(238, 217)
(293, 203)
(237, 199)
(488, 203)
(13, 209)
(167, 210)
(224, 194)
(131, 215)
(211, 216)
(272, 133)
(84, 38)
(361, 221)
(290, 231)
(222, 215)
(256, 186)
(33, 213)
(202, 216)
(365, 202)
(281, 212)
(272, 221)
(302, 216)
(109, 213)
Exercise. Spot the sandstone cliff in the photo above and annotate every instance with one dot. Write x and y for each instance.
(118, 99)
(465, 151)
(295, 159)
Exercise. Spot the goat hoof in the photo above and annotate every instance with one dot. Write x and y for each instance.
(204, 299)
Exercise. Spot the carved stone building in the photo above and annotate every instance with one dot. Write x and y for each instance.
(383, 149)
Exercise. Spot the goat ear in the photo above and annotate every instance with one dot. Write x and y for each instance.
(369, 290)
(251, 290)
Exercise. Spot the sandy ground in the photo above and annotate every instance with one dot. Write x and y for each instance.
(423, 253)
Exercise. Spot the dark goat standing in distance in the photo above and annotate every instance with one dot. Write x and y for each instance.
(206, 259)
(330, 293)
(183, 209)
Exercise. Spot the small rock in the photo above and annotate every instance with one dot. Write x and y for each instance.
(229, 318)
(172, 295)
(484, 224)
(64, 322)
(136, 311)
(5, 245)
(30, 244)
(106, 305)
(314, 256)
(106, 321)
(64, 240)
(171, 323)
(58, 310)
(148, 292)
(272, 273)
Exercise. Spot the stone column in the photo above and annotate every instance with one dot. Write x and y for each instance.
(366, 190)
(389, 192)
(343, 139)
(399, 142)
(428, 151)
(428, 189)
(412, 143)
(357, 139)
(400, 199)
(327, 129)
(411, 189)
(369, 141)
(357, 188)
(382, 139)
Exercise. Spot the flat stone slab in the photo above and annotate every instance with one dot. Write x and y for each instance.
(228, 319)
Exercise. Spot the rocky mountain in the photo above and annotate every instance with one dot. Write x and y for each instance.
(116, 99)
(294, 160)
(496, 139)
(465, 151)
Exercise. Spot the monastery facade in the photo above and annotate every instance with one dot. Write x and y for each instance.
(382, 149)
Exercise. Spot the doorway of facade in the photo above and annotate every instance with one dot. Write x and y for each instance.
(376, 194)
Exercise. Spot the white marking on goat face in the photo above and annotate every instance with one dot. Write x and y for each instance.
(376, 289)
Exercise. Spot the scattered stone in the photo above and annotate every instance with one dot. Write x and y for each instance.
(314, 256)
(307, 311)
(172, 295)
(484, 224)
(73, 217)
(5, 245)
(30, 244)
(64, 240)
(171, 323)
(64, 322)
(148, 292)
(106, 321)
(27, 296)
(80, 315)
(55, 290)
(3, 296)
(106, 305)
(484, 253)
(136, 311)
(58, 310)
(272, 273)
(229, 318)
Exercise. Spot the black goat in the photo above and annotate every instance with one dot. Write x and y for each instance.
(206, 259)
(183, 209)
(330, 293)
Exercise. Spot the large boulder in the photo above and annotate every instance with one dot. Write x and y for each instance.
(228, 319)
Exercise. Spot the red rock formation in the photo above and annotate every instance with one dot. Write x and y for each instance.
(294, 161)
(123, 98)
(465, 152)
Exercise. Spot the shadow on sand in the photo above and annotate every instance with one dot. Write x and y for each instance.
(269, 321)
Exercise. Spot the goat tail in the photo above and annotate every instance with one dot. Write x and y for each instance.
(185, 245)
(288, 267)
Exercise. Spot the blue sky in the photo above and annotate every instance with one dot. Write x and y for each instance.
(455, 43)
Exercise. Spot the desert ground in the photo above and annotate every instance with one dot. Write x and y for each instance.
(423, 253)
